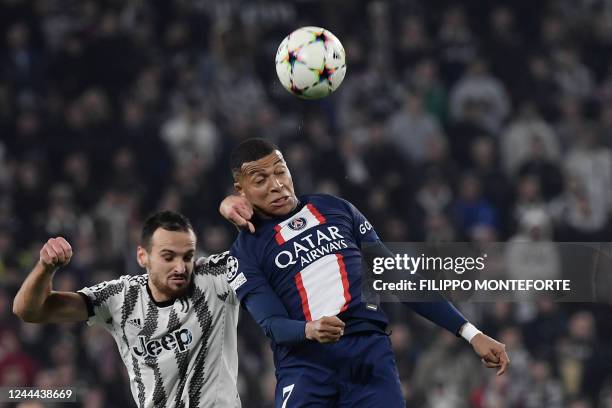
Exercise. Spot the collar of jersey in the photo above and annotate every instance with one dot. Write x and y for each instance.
(168, 302)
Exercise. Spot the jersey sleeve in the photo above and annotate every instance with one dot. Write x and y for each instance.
(270, 313)
(362, 229)
(213, 271)
(246, 275)
(103, 300)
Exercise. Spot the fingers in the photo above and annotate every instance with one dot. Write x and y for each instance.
(56, 252)
(504, 362)
(62, 249)
(241, 220)
(489, 364)
(244, 211)
(237, 210)
(333, 321)
(492, 352)
(490, 357)
(327, 329)
(48, 257)
(332, 330)
(332, 324)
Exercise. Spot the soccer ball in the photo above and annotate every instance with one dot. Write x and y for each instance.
(310, 63)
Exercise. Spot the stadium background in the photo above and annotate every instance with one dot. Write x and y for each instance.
(477, 121)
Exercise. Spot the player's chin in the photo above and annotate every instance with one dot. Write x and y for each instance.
(177, 285)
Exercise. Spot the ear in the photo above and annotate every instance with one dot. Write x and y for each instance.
(142, 257)
(238, 188)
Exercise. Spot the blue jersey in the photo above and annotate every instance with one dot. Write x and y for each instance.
(311, 259)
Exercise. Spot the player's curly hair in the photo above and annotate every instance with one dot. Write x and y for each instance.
(248, 151)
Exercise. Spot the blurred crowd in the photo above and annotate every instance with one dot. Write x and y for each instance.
(457, 121)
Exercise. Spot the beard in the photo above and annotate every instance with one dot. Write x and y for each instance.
(169, 289)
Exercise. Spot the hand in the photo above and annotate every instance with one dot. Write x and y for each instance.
(492, 352)
(238, 211)
(55, 253)
(327, 329)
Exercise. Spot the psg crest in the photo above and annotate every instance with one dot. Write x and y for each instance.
(297, 223)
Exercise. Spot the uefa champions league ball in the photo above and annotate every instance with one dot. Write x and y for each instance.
(310, 63)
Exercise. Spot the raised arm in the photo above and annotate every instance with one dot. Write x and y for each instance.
(36, 302)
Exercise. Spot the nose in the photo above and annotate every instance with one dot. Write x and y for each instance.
(181, 267)
(277, 184)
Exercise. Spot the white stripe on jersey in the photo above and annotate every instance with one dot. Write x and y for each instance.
(305, 219)
(182, 354)
(323, 287)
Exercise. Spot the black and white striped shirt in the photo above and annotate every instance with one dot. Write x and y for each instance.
(180, 353)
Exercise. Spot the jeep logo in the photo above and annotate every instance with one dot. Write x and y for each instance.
(180, 339)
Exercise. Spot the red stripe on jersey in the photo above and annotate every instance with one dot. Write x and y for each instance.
(316, 213)
(278, 236)
(303, 296)
(345, 282)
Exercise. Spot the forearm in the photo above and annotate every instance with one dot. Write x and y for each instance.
(437, 309)
(34, 291)
(442, 313)
(284, 331)
(269, 312)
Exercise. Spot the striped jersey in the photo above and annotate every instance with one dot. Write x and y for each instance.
(180, 353)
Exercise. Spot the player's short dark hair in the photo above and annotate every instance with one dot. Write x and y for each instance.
(248, 151)
(168, 220)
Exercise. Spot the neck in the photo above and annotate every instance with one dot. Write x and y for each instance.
(157, 295)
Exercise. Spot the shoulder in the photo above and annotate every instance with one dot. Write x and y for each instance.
(248, 243)
(120, 284)
(328, 202)
(213, 273)
(321, 198)
(214, 264)
(124, 287)
(327, 199)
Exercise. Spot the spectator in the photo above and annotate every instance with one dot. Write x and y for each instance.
(412, 128)
(479, 87)
(518, 140)
(471, 209)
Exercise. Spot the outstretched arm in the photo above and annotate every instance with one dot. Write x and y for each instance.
(36, 302)
(442, 312)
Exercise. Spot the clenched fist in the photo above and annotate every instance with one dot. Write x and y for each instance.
(327, 329)
(55, 253)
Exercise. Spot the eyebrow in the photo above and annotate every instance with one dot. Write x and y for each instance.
(256, 171)
(166, 250)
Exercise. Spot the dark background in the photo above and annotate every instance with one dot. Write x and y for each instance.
(487, 121)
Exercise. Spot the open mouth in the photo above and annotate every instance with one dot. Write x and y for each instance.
(178, 279)
(279, 202)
